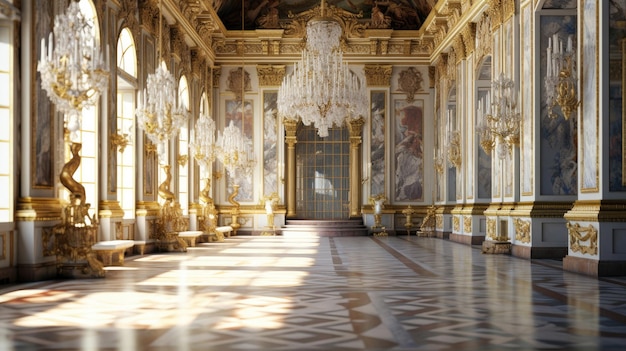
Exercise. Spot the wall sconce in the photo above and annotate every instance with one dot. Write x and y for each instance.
(561, 80)
(499, 121)
(454, 141)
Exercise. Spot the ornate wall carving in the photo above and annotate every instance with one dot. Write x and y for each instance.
(378, 75)
(270, 75)
(410, 82)
(583, 239)
(483, 38)
(522, 230)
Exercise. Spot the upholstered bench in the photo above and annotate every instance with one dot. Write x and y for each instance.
(190, 236)
(223, 231)
(105, 250)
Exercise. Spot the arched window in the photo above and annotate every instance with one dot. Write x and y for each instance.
(183, 148)
(6, 132)
(126, 92)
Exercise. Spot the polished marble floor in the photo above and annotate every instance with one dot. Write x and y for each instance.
(341, 293)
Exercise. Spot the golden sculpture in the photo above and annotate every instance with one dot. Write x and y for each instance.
(170, 221)
(78, 231)
(428, 223)
(408, 222)
(235, 211)
(208, 219)
(77, 190)
(270, 201)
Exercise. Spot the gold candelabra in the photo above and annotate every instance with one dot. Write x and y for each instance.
(561, 82)
(408, 222)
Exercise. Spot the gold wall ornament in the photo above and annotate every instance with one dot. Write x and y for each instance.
(235, 210)
(410, 82)
(467, 224)
(454, 148)
(459, 49)
(483, 38)
(522, 230)
(378, 75)
(182, 160)
(429, 221)
(119, 141)
(164, 188)
(270, 75)
(561, 80)
(468, 34)
(583, 239)
(495, 13)
(456, 224)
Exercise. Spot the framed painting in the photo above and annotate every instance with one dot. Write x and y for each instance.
(376, 166)
(408, 150)
(243, 118)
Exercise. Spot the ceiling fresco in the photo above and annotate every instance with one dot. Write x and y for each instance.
(273, 14)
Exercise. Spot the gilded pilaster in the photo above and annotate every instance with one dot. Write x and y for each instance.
(356, 129)
(291, 127)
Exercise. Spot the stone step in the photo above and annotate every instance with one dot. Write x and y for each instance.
(318, 227)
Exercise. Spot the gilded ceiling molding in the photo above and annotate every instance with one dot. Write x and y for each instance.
(197, 64)
(508, 9)
(349, 22)
(9, 10)
(128, 15)
(483, 33)
(495, 13)
(270, 75)
(410, 82)
(236, 81)
(469, 37)
(378, 75)
(459, 49)
(149, 16)
(454, 12)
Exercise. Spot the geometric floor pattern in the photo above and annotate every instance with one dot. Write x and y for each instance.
(326, 293)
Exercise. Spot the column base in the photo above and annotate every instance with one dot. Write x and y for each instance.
(594, 268)
(496, 247)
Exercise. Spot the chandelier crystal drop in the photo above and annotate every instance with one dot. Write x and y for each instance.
(235, 151)
(202, 143)
(73, 71)
(157, 114)
(322, 90)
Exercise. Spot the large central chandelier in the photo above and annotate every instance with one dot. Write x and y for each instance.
(72, 69)
(322, 89)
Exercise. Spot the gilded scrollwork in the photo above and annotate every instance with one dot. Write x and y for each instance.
(583, 239)
(467, 224)
(456, 224)
(522, 230)
(410, 82)
(270, 75)
(491, 228)
(378, 75)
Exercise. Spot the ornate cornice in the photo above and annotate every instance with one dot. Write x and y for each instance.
(410, 82)
(270, 75)
(495, 13)
(378, 75)
(483, 32)
(469, 37)
(349, 21)
(508, 9)
(459, 49)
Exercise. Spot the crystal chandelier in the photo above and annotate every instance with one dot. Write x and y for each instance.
(202, 143)
(499, 121)
(322, 89)
(561, 81)
(72, 69)
(157, 113)
(235, 152)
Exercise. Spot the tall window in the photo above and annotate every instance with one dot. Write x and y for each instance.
(87, 173)
(126, 91)
(6, 95)
(183, 149)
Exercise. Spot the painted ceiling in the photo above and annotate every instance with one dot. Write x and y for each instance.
(273, 14)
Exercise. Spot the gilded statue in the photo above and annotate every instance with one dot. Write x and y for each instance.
(76, 189)
(164, 189)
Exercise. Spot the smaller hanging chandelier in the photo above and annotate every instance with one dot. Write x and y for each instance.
(157, 113)
(202, 143)
(322, 90)
(235, 152)
(72, 69)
